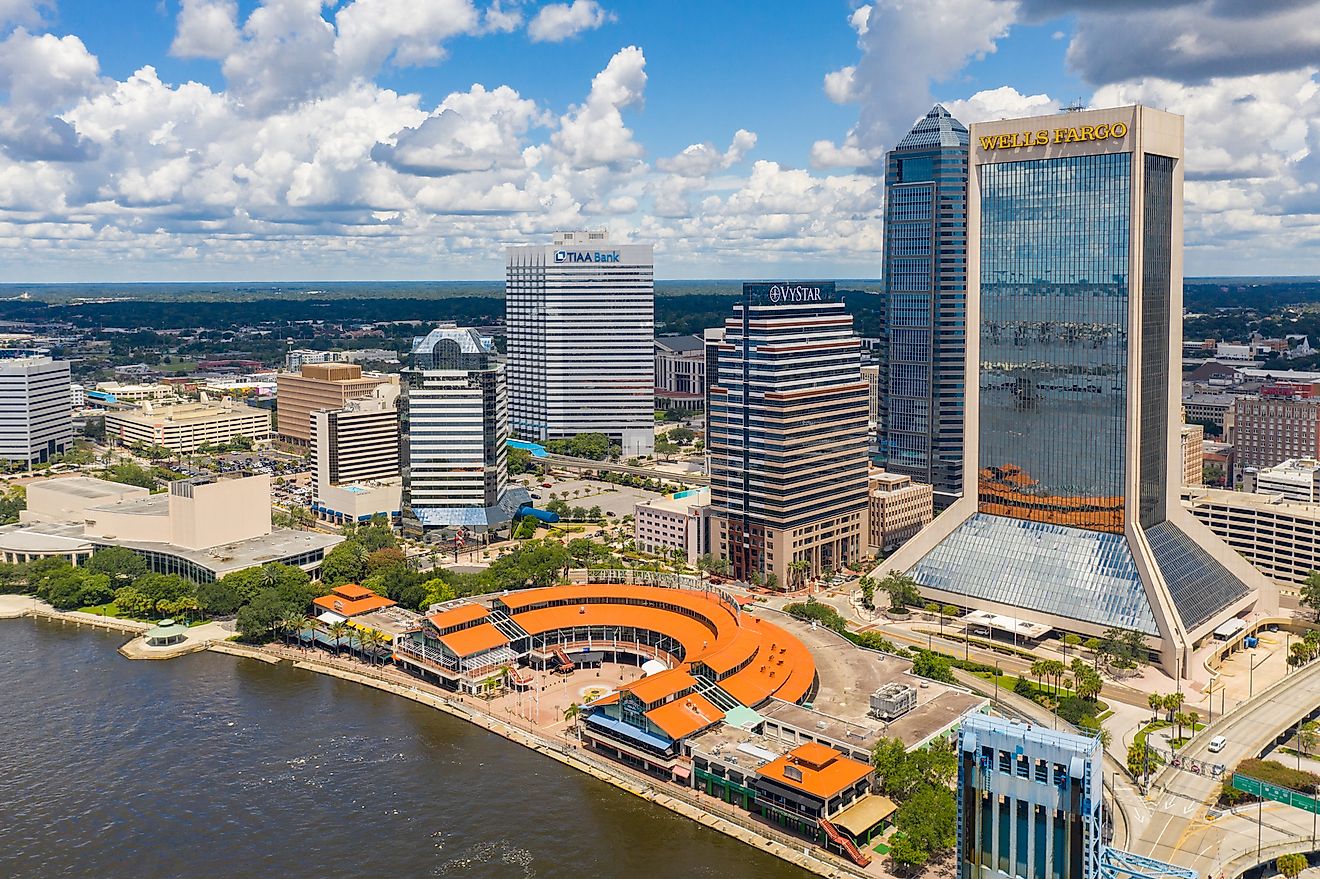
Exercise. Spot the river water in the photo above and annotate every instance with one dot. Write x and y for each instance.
(217, 766)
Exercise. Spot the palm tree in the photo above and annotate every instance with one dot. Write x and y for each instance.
(1172, 703)
(1038, 672)
(338, 631)
(798, 568)
(572, 711)
(1156, 702)
(367, 645)
(301, 622)
(1180, 719)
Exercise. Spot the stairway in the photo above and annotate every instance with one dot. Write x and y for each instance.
(844, 843)
(565, 664)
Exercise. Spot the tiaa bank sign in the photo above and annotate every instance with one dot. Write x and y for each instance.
(575, 256)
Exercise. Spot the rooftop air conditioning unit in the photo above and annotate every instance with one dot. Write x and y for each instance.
(892, 701)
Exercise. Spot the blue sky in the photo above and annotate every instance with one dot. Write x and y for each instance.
(365, 139)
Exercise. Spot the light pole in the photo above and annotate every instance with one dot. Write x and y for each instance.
(1251, 673)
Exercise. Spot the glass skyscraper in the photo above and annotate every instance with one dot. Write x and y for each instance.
(1075, 283)
(925, 305)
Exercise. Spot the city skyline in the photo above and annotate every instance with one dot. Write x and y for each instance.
(204, 140)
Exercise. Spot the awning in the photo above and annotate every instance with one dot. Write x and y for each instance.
(586, 656)
(682, 773)
(330, 618)
(864, 814)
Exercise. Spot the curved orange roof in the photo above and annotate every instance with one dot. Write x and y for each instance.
(770, 661)
(474, 639)
(684, 716)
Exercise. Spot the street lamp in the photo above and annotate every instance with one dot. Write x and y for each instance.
(1251, 672)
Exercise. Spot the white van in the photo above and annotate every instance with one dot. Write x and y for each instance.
(1217, 744)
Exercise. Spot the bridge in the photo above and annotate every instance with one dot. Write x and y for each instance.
(1174, 819)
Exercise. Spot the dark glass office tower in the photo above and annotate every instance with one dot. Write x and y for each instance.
(925, 297)
(1075, 293)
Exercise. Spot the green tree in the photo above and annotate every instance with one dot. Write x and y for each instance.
(1172, 702)
(1310, 592)
(129, 473)
(12, 502)
(1071, 641)
(339, 631)
(346, 563)
(258, 618)
(929, 664)
(132, 602)
(119, 564)
(385, 558)
(219, 598)
(682, 435)
(929, 820)
(1308, 736)
(518, 461)
(1156, 702)
(901, 589)
(867, 587)
(1291, 865)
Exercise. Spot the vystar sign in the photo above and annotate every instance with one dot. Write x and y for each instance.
(586, 256)
(1044, 137)
(794, 293)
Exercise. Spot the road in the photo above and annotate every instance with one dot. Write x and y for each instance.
(903, 635)
(1174, 823)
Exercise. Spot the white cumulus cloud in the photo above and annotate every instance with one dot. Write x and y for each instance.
(556, 22)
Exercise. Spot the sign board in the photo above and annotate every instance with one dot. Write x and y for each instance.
(1267, 791)
(789, 292)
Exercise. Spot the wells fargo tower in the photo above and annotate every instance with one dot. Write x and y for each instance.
(1070, 513)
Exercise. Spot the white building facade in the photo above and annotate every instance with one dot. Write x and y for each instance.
(36, 409)
(581, 331)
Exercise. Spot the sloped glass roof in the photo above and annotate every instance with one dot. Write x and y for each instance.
(936, 129)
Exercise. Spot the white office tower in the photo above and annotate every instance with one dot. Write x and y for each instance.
(36, 409)
(455, 468)
(581, 325)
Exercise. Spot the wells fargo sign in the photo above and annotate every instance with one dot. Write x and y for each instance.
(1045, 136)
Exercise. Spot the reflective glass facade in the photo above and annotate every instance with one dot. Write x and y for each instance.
(1054, 244)
(1157, 245)
(1069, 572)
(923, 344)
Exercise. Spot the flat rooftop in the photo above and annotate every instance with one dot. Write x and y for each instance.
(847, 675)
(43, 537)
(86, 487)
(390, 620)
(148, 505)
(279, 544)
(188, 412)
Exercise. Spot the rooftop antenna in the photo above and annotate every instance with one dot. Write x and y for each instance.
(1076, 106)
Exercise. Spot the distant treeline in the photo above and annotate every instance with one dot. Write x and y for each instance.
(1264, 296)
(690, 310)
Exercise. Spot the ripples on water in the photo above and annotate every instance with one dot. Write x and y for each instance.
(212, 766)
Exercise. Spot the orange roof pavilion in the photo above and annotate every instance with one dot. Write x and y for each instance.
(350, 600)
(816, 769)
